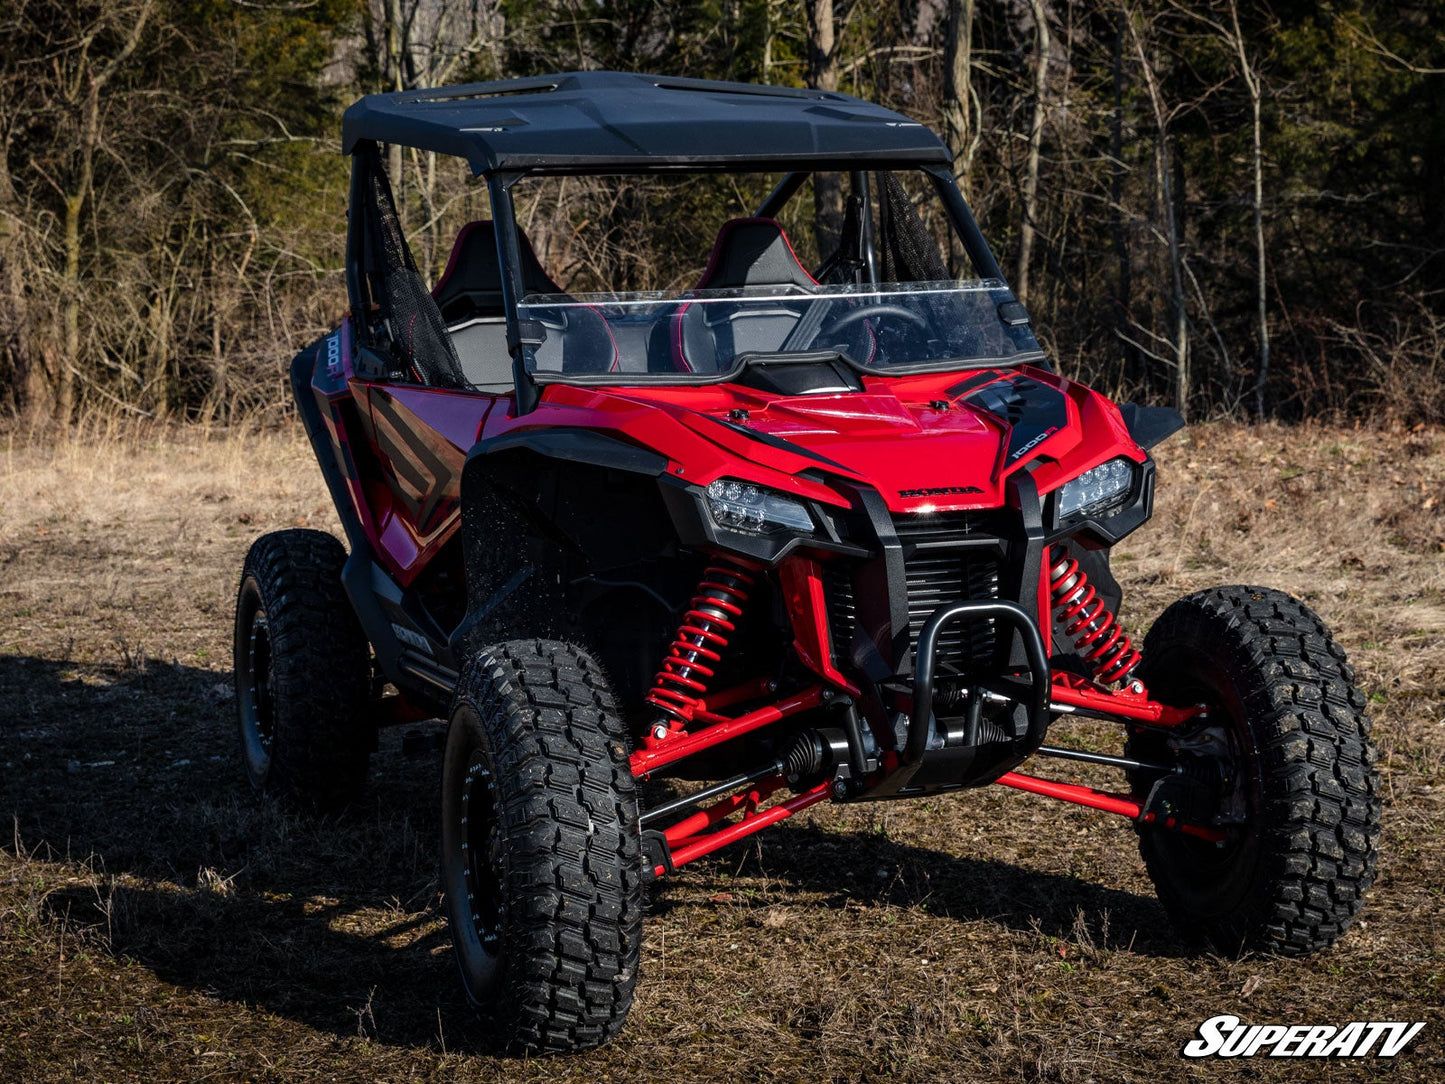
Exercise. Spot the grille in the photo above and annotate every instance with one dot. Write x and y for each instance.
(936, 578)
(946, 557)
(842, 607)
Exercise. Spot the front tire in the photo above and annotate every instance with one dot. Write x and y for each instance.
(1289, 732)
(303, 671)
(541, 849)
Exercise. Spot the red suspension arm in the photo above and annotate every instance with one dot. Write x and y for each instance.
(685, 829)
(1109, 803)
(655, 753)
(752, 821)
(1069, 690)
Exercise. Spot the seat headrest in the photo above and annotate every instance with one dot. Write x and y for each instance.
(473, 274)
(753, 252)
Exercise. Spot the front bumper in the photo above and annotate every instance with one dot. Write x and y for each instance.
(960, 758)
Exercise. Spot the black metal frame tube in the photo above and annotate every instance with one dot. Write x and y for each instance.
(1061, 753)
(783, 191)
(862, 189)
(677, 805)
(927, 647)
(979, 254)
(355, 227)
(509, 258)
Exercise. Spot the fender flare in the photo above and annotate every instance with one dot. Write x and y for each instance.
(578, 445)
(511, 454)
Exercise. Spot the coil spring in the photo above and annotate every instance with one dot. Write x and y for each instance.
(710, 620)
(1094, 630)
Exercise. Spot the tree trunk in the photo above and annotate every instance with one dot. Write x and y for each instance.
(393, 78)
(770, 32)
(1251, 82)
(1123, 283)
(156, 399)
(17, 348)
(1171, 174)
(74, 207)
(823, 75)
(959, 100)
(85, 91)
(1043, 45)
(1162, 172)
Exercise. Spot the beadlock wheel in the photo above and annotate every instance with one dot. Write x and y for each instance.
(253, 691)
(541, 858)
(302, 670)
(1299, 798)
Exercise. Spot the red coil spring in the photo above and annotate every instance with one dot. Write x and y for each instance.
(711, 618)
(1095, 631)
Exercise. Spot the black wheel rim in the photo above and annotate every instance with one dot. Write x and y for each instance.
(1209, 876)
(482, 858)
(256, 695)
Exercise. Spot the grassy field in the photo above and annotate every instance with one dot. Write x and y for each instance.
(158, 922)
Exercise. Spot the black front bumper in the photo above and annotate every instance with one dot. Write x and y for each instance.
(961, 758)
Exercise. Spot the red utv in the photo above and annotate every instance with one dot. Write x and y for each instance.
(792, 532)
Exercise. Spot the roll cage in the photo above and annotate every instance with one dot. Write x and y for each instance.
(511, 129)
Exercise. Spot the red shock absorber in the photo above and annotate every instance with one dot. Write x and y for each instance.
(1094, 630)
(706, 627)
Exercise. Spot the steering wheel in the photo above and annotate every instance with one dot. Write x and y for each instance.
(878, 308)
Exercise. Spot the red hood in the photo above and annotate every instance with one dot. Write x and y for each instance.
(920, 449)
(927, 442)
(897, 446)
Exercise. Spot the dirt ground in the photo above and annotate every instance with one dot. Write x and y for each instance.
(159, 922)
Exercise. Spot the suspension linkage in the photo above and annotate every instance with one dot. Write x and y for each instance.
(687, 801)
(1063, 753)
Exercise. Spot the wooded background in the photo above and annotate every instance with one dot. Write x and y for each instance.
(1236, 209)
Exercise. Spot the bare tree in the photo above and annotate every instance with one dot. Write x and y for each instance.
(823, 75)
(1232, 36)
(1118, 175)
(962, 111)
(83, 77)
(19, 367)
(1163, 175)
(1250, 76)
(427, 43)
(1043, 46)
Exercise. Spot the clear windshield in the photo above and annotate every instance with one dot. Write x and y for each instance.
(701, 333)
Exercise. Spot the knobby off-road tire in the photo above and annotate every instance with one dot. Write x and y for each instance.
(303, 672)
(541, 849)
(1292, 878)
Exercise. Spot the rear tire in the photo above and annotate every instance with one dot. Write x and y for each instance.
(541, 849)
(1292, 876)
(303, 671)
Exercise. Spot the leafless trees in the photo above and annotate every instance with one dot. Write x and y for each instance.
(1215, 204)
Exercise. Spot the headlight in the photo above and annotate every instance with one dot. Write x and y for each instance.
(1105, 487)
(742, 506)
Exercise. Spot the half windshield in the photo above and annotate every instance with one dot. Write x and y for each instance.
(709, 333)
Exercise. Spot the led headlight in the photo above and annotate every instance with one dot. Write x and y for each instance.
(1104, 488)
(742, 506)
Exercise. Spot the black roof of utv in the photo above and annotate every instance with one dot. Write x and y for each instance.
(586, 121)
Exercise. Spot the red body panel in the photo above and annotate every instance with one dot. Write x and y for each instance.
(422, 436)
(917, 440)
(902, 434)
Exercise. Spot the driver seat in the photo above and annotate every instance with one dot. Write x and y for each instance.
(753, 253)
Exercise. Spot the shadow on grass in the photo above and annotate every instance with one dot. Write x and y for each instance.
(865, 867)
(132, 772)
(333, 921)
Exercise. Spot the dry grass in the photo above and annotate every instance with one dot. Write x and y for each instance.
(158, 922)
